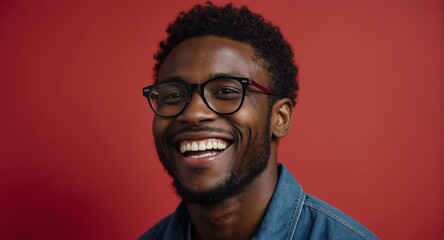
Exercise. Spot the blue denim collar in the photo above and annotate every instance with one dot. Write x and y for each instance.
(284, 213)
(284, 209)
(287, 195)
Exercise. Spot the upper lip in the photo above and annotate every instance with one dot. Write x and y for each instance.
(198, 136)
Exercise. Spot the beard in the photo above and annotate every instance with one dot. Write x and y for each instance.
(240, 174)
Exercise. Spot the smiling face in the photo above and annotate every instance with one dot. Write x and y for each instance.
(212, 156)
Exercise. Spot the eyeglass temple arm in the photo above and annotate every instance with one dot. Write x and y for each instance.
(262, 88)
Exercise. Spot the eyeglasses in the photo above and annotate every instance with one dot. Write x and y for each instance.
(223, 95)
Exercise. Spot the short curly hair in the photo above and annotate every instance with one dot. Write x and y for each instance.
(242, 25)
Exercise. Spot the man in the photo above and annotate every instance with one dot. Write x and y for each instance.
(224, 93)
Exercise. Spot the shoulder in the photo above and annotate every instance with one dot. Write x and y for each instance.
(174, 225)
(320, 220)
(294, 214)
(158, 231)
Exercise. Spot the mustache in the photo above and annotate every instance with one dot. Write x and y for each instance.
(199, 129)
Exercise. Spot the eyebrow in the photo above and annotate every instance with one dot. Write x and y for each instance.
(173, 78)
(210, 76)
(221, 74)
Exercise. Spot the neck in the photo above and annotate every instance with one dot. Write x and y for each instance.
(239, 216)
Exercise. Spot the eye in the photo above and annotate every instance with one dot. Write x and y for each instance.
(227, 93)
(171, 97)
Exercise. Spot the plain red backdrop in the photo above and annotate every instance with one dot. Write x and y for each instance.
(76, 151)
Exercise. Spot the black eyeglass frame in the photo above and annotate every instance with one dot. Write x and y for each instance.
(245, 82)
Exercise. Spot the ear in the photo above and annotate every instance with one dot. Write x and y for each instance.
(281, 115)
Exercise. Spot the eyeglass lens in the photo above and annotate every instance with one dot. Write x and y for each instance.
(222, 95)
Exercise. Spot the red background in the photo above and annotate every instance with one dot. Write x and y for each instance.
(76, 151)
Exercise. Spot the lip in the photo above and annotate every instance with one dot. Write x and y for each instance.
(195, 136)
(201, 162)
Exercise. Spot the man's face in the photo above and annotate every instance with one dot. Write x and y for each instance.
(242, 139)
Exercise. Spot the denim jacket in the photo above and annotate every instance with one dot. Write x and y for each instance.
(291, 214)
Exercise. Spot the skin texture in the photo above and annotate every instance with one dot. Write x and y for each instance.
(252, 132)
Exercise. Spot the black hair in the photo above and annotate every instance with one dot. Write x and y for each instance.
(239, 24)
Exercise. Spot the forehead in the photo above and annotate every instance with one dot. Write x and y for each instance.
(200, 58)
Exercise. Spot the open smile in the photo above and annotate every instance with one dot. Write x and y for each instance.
(198, 149)
(203, 147)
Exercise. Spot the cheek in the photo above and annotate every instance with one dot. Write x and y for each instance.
(159, 127)
(251, 118)
(255, 110)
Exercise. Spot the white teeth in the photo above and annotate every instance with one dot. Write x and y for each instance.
(194, 146)
(202, 145)
(183, 148)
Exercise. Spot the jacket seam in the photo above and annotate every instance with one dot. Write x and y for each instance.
(337, 219)
(296, 214)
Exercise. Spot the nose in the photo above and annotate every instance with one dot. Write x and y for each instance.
(197, 112)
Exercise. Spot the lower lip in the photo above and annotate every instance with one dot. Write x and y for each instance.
(203, 161)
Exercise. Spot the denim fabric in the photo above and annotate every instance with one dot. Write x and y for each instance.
(292, 214)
